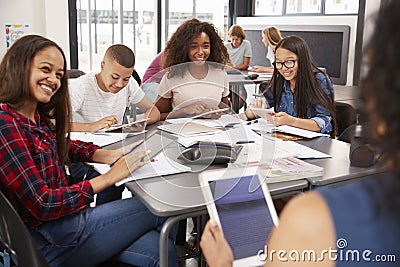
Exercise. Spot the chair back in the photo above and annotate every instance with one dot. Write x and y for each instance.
(74, 73)
(15, 236)
(137, 78)
(346, 115)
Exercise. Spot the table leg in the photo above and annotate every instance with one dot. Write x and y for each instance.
(234, 89)
(166, 228)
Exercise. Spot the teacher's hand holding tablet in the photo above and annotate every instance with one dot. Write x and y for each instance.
(213, 243)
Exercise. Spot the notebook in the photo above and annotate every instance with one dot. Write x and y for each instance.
(188, 128)
(136, 126)
(210, 112)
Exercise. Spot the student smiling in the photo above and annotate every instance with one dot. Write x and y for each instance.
(99, 99)
(195, 79)
(33, 154)
(301, 94)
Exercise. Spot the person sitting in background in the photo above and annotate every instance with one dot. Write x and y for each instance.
(270, 37)
(240, 53)
(195, 79)
(300, 93)
(152, 77)
(239, 49)
(33, 154)
(99, 99)
(356, 224)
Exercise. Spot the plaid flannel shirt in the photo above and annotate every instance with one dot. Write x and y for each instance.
(31, 175)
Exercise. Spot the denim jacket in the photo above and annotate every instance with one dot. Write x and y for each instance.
(315, 112)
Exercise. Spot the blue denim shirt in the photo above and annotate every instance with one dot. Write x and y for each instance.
(315, 112)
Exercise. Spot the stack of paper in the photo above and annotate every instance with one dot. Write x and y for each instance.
(132, 127)
(221, 137)
(187, 129)
(101, 138)
(206, 114)
(158, 166)
(286, 169)
(297, 131)
(262, 126)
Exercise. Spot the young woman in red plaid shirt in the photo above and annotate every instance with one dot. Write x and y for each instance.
(33, 152)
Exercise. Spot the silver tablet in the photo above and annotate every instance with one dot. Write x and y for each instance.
(238, 200)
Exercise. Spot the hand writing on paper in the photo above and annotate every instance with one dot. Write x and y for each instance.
(127, 164)
(195, 108)
(105, 123)
(120, 169)
(111, 156)
(215, 115)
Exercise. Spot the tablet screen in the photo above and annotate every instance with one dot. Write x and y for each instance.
(244, 215)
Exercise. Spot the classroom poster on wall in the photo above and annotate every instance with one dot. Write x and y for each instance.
(15, 31)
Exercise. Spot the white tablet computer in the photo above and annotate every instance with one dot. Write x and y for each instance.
(206, 114)
(264, 113)
(136, 126)
(238, 200)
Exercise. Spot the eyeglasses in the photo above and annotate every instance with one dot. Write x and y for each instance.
(288, 64)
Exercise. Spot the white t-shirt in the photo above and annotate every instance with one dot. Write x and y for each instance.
(270, 55)
(90, 103)
(236, 55)
(187, 89)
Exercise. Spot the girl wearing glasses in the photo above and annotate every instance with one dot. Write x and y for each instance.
(300, 93)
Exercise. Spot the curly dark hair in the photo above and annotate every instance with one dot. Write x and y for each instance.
(381, 86)
(177, 48)
(14, 86)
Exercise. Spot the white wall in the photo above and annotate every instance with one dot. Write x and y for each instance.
(57, 24)
(48, 18)
(371, 9)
